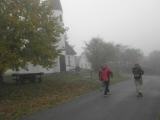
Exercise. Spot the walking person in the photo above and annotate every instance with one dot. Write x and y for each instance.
(104, 74)
(138, 72)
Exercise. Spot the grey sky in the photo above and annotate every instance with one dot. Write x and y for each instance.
(135, 23)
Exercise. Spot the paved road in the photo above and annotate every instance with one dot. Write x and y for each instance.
(121, 105)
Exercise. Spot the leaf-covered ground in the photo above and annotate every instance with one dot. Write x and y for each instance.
(19, 100)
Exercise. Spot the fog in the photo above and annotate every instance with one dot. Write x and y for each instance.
(134, 23)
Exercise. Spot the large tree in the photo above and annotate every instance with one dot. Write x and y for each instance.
(99, 52)
(118, 56)
(129, 57)
(28, 34)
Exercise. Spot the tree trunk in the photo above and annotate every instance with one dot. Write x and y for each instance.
(1, 78)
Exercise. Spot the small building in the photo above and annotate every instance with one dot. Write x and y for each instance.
(83, 62)
(70, 57)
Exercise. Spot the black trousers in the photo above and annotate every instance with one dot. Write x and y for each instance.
(106, 83)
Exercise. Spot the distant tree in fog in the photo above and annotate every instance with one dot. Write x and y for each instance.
(153, 62)
(118, 56)
(132, 55)
(99, 52)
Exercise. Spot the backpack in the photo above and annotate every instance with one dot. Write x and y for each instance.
(137, 76)
(137, 72)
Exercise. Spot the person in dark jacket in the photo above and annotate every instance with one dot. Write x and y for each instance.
(104, 75)
(138, 72)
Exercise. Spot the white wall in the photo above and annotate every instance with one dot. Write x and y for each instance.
(84, 63)
(38, 68)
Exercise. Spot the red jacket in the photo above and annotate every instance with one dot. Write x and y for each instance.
(105, 73)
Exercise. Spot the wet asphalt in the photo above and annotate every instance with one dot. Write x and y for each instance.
(122, 104)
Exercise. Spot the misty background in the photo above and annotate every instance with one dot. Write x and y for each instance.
(134, 23)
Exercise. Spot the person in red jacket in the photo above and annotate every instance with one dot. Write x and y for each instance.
(104, 75)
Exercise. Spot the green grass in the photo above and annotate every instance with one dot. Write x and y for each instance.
(159, 117)
(19, 100)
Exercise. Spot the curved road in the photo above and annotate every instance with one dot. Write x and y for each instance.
(121, 105)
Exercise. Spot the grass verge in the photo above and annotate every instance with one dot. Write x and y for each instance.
(19, 100)
(158, 117)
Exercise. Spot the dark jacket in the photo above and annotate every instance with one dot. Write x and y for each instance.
(137, 72)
